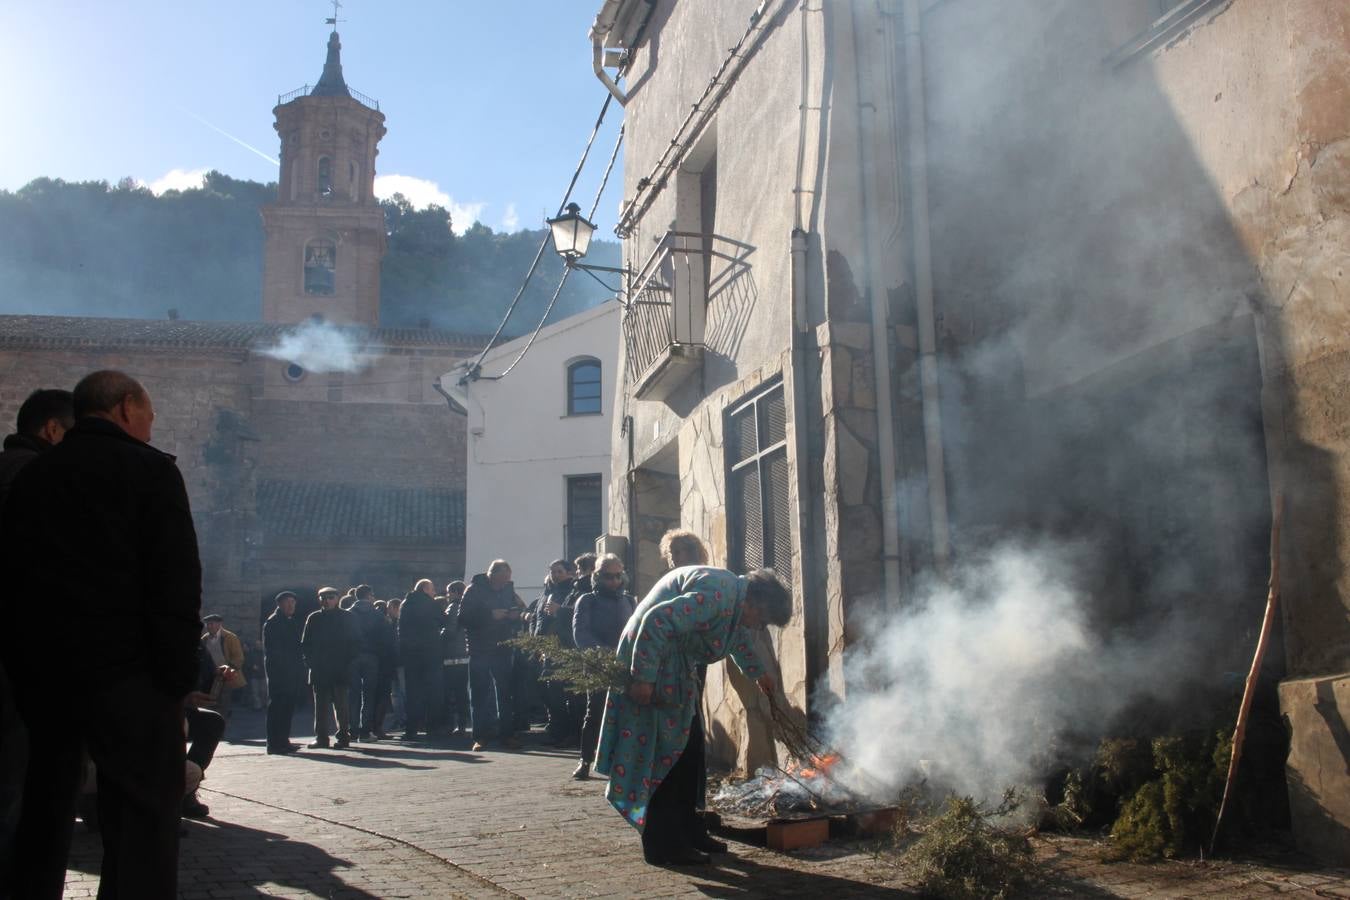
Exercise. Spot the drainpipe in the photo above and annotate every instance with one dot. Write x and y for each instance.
(923, 286)
(869, 185)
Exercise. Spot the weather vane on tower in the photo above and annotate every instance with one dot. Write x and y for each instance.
(337, 4)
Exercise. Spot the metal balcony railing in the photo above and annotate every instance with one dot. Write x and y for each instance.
(303, 91)
(667, 298)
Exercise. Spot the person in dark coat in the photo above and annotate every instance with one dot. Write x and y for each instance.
(553, 618)
(328, 645)
(598, 621)
(386, 651)
(420, 623)
(491, 613)
(285, 667)
(368, 623)
(43, 420)
(99, 528)
(456, 649)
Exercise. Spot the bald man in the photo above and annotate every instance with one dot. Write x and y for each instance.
(101, 640)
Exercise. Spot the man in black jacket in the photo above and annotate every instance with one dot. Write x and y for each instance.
(368, 623)
(491, 613)
(553, 618)
(420, 622)
(99, 529)
(43, 420)
(328, 644)
(285, 668)
(598, 621)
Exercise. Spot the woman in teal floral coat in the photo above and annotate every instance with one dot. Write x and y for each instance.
(651, 740)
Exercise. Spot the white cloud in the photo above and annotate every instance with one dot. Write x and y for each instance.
(177, 180)
(510, 220)
(422, 193)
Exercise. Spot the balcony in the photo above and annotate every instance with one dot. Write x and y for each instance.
(665, 316)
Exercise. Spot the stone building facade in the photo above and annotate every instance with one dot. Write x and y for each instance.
(932, 275)
(315, 445)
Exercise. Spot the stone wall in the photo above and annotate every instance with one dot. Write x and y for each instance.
(212, 415)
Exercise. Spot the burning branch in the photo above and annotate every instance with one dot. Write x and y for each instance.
(1244, 712)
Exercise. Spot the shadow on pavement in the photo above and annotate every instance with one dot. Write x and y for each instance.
(392, 753)
(256, 858)
(360, 761)
(739, 877)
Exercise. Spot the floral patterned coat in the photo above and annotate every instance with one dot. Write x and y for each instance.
(691, 617)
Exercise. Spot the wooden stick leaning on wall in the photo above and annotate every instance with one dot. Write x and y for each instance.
(1244, 712)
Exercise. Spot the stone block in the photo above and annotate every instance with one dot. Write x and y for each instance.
(1318, 767)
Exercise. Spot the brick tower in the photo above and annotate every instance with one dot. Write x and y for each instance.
(325, 234)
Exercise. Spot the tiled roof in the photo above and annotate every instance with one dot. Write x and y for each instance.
(318, 510)
(37, 332)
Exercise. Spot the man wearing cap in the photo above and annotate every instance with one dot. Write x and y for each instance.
(284, 666)
(223, 646)
(329, 644)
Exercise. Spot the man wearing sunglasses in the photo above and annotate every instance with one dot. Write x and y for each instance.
(598, 621)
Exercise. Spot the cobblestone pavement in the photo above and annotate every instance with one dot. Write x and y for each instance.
(421, 820)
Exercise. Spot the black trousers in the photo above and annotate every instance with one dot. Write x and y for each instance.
(331, 699)
(563, 710)
(672, 821)
(590, 724)
(134, 734)
(457, 696)
(424, 681)
(205, 728)
(281, 703)
(490, 686)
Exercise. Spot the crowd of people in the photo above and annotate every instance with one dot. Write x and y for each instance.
(98, 522)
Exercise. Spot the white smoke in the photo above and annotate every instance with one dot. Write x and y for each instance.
(319, 347)
(973, 686)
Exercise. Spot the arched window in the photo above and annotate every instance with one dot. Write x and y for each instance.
(320, 266)
(583, 388)
(325, 177)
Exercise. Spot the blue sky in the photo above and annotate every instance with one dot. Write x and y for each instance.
(488, 105)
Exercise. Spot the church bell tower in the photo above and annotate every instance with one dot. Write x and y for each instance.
(325, 235)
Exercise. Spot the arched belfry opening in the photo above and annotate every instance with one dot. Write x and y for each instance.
(326, 214)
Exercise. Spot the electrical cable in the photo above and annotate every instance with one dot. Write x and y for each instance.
(543, 245)
(595, 204)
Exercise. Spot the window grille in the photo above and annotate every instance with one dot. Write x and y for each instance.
(760, 515)
(584, 515)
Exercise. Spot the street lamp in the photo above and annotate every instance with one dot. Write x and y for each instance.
(571, 234)
(572, 238)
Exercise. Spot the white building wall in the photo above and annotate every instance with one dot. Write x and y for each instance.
(522, 445)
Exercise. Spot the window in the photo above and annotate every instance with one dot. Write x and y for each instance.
(583, 388)
(325, 177)
(294, 372)
(320, 265)
(757, 483)
(584, 522)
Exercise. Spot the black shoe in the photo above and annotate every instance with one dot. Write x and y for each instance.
(582, 772)
(193, 808)
(708, 844)
(341, 744)
(409, 736)
(364, 736)
(283, 751)
(379, 736)
(321, 744)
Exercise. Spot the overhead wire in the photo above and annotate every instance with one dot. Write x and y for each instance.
(543, 245)
(595, 204)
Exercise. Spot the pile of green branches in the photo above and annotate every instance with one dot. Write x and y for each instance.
(965, 853)
(581, 671)
(1172, 814)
